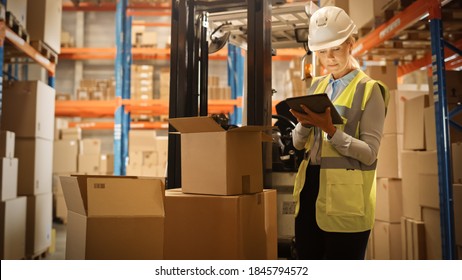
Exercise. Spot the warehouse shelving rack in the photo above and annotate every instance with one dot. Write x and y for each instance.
(430, 10)
(10, 40)
(123, 54)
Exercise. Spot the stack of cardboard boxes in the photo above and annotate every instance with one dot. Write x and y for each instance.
(147, 153)
(28, 110)
(142, 38)
(142, 82)
(408, 152)
(217, 91)
(91, 89)
(164, 93)
(72, 155)
(13, 207)
(221, 210)
(385, 242)
(293, 79)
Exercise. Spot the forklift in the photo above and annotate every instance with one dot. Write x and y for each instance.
(260, 27)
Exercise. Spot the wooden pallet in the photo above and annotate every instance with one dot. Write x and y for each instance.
(13, 23)
(45, 50)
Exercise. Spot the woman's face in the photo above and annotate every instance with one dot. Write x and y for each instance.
(336, 60)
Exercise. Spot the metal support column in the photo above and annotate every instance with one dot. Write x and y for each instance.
(442, 133)
(259, 87)
(121, 64)
(179, 92)
(204, 65)
(259, 62)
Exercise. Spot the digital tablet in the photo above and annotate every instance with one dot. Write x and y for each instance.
(316, 103)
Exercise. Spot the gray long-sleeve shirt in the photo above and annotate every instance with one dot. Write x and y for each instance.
(364, 149)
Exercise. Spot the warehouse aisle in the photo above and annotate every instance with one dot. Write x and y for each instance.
(60, 247)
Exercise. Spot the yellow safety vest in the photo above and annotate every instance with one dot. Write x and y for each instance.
(347, 187)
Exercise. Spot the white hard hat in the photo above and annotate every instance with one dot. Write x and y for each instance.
(329, 27)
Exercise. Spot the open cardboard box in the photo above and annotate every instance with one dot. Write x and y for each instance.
(218, 161)
(114, 217)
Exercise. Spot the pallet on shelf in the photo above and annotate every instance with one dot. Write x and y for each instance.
(45, 50)
(13, 23)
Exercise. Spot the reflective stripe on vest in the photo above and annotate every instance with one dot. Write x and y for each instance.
(346, 200)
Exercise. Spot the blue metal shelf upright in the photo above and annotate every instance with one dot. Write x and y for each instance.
(122, 66)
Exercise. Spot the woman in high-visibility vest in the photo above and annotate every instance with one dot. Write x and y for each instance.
(334, 189)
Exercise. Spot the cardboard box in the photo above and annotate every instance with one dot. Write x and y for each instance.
(71, 133)
(7, 144)
(430, 128)
(60, 123)
(13, 228)
(271, 224)
(65, 154)
(134, 169)
(114, 217)
(29, 109)
(387, 74)
(90, 146)
(39, 223)
(456, 152)
(106, 164)
(210, 227)
(389, 205)
(35, 165)
(457, 198)
(44, 22)
(389, 157)
(431, 218)
(413, 239)
(415, 163)
(8, 178)
(216, 161)
(363, 13)
(89, 164)
(19, 9)
(414, 134)
(394, 120)
(142, 140)
(387, 241)
(428, 191)
(57, 188)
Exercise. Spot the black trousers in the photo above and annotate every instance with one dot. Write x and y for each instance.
(311, 242)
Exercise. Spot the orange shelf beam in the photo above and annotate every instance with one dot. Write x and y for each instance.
(21, 45)
(106, 108)
(391, 28)
(426, 61)
(86, 108)
(154, 24)
(110, 125)
(137, 54)
(111, 7)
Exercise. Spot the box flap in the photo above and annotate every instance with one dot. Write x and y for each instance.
(195, 124)
(72, 194)
(250, 128)
(255, 128)
(125, 197)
